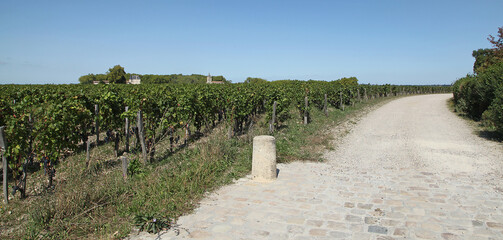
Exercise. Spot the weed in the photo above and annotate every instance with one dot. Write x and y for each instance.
(135, 168)
(151, 224)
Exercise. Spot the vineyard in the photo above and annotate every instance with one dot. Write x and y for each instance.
(45, 124)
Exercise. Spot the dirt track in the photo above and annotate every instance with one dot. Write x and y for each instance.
(409, 170)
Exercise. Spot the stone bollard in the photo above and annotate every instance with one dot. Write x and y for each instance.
(264, 158)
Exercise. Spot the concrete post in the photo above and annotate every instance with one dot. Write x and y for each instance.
(125, 164)
(127, 132)
(88, 153)
(264, 158)
(3, 148)
(141, 134)
(97, 123)
(273, 118)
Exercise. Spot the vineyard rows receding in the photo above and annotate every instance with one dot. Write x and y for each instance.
(48, 121)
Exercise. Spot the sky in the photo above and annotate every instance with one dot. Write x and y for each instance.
(379, 42)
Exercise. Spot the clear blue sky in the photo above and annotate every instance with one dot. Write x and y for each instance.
(390, 41)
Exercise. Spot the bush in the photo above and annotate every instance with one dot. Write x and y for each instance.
(494, 114)
(481, 96)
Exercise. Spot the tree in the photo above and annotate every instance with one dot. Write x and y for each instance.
(220, 79)
(255, 80)
(497, 43)
(486, 57)
(351, 81)
(116, 74)
(87, 79)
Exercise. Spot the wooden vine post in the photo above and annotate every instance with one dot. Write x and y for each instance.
(3, 148)
(305, 111)
(273, 117)
(88, 153)
(97, 123)
(229, 122)
(230, 131)
(127, 132)
(28, 159)
(358, 92)
(116, 147)
(141, 134)
(325, 106)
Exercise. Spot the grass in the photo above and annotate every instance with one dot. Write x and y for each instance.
(97, 203)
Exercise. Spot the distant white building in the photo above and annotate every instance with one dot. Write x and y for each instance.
(134, 79)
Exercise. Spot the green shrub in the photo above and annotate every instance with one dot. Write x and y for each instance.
(494, 114)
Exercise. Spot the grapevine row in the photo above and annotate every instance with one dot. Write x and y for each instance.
(48, 120)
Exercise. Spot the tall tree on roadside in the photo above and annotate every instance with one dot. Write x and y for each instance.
(497, 43)
(489, 56)
(116, 74)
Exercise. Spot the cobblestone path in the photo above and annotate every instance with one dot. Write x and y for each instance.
(408, 170)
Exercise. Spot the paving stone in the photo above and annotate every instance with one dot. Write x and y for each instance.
(385, 238)
(365, 206)
(357, 211)
(450, 236)
(337, 234)
(352, 218)
(332, 216)
(378, 229)
(295, 220)
(394, 202)
(432, 226)
(295, 229)
(377, 212)
(418, 211)
(371, 220)
(318, 232)
(356, 227)
(495, 225)
(261, 233)
(316, 223)
(400, 232)
(396, 215)
(336, 225)
(425, 234)
(362, 236)
(389, 222)
(349, 205)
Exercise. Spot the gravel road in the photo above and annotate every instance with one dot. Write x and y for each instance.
(418, 133)
(410, 169)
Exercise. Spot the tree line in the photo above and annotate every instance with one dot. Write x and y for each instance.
(117, 74)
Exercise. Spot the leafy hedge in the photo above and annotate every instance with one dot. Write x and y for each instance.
(481, 96)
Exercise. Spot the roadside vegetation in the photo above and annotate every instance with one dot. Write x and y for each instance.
(480, 95)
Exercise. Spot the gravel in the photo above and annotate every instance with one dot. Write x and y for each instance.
(421, 133)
